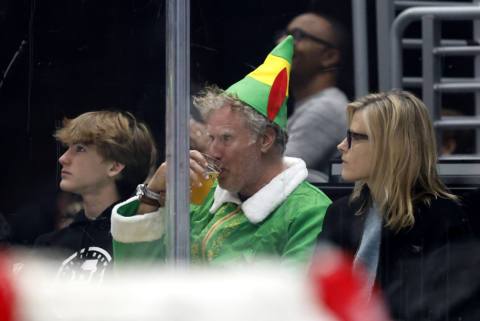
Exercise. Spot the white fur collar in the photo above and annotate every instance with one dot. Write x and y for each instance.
(262, 203)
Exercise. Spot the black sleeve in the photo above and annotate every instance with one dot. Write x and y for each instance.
(340, 226)
(471, 204)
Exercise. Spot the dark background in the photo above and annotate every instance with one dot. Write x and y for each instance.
(82, 55)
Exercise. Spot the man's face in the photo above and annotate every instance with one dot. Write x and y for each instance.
(84, 170)
(310, 55)
(237, 148)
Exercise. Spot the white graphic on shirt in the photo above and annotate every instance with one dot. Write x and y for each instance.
(86, 265)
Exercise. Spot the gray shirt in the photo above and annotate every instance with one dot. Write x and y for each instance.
(316, 127)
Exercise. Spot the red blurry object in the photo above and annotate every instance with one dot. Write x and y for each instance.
(7, 295)
(341, 290)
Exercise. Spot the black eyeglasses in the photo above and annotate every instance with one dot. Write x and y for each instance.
(353, 136)
(299, 34)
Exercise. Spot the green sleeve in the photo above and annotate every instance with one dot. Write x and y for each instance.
(135, 251)
(303, 230)
(144, 252)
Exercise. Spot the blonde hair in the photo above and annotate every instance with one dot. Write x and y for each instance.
(118, 137)
(404, 156)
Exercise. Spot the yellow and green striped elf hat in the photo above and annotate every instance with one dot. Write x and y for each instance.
(266, 88)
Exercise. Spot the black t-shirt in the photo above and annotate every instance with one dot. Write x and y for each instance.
(84, 248)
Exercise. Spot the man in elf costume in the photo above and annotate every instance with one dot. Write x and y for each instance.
(262, 206)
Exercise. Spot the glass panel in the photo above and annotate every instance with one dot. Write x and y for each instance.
(61, 59)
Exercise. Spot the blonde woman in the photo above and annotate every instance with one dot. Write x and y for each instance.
(399, 208)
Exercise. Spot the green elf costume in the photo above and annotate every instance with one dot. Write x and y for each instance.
(282, 219)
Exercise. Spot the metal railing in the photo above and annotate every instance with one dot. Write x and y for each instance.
(430, 14)
(433, 49)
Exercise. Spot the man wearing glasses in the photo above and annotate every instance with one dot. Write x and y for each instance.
(318, 122)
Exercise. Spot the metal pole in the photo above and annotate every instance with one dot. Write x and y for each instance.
(360, 47)
(177, 120)
(476, 37)
(458, 122)
(417, 43)
(458, 87)
(446, 84)
(385, 13)
(407, 4)
(457, 51)
(430, 65)
(431, 70)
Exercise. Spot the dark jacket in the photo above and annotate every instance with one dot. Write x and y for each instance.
(83, 240)
(438, 225)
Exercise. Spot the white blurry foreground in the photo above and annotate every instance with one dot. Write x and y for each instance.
(266, 291)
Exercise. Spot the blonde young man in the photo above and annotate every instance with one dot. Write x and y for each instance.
(108, 154)
(261, 206)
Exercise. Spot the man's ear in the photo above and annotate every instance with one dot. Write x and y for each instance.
(331, 57)
(115, 168)
(268, 139)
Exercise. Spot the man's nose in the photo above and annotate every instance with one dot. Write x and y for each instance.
(215, 150)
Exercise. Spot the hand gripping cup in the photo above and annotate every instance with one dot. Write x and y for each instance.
(199, 193)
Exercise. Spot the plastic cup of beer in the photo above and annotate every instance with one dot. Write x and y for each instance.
(199, 193)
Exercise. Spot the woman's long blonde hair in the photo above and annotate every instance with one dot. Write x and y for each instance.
(404, 156)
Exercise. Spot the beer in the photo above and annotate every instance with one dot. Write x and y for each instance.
(199, 193)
